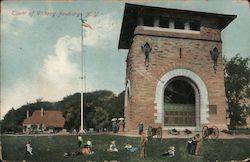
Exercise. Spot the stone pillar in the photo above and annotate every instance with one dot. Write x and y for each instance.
(140, 20)
(171, 24)
(187, 25)
(156, 22)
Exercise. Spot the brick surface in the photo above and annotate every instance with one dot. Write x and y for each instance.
(164, 57)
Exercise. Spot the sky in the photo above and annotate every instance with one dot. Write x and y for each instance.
(41, 49)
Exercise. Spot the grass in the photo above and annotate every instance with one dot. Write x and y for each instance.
(240, 131)
(51, 148)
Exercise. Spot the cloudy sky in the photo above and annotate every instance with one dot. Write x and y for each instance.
(40, 45)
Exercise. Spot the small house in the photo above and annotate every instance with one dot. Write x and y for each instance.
(41, 121)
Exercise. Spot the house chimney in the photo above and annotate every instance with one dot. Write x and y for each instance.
(27, 114)
(42, 113)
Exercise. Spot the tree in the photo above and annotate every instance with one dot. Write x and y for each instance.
(100, 119)
(9, 123)
(70, 106)
(237, 85)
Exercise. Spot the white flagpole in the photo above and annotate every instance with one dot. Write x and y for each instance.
(82, 64)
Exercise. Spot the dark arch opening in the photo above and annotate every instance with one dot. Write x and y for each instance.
(179, 103)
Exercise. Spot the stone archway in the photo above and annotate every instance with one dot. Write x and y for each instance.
(201, 98)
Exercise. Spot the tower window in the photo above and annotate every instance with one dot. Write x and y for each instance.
(148, 21)
(195, 26)
(164, 23)
(179, 25)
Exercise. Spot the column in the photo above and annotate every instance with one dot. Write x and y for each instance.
(187, 25)
(156, 22)
(171, 24)
(140, 20)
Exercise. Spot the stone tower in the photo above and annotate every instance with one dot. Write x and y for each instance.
(174, 75)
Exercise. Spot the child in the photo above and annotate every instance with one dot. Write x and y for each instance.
(112, 147)
(79, 139)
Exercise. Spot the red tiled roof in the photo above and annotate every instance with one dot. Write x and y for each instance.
(49, 118)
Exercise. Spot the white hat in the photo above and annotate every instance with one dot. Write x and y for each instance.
(114, 119)
(172, 148)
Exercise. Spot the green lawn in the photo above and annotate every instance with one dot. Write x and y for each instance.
(51, 148)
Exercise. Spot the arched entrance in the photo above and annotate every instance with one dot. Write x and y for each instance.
(179, 103)
(201, 99)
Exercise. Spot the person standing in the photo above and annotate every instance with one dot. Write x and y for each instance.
(144, 140)
(193, 145)
(198, 144)
(114, 126)
(79, 139)
(121, 126)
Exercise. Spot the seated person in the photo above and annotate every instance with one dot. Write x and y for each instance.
(86, 150)
(170, 152)
(74, 153)
(112, 147)
(28, 149)
(89, 143)
(130, 148)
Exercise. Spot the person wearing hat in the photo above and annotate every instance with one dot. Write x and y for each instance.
(121, 126)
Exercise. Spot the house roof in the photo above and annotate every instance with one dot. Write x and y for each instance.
(132, 11)
(49, 118)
